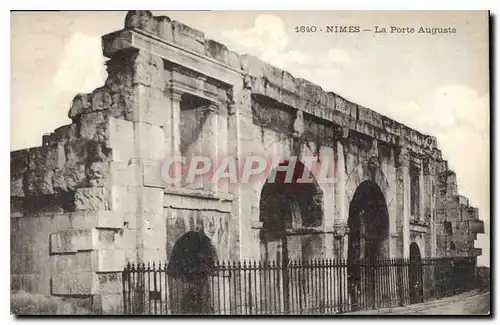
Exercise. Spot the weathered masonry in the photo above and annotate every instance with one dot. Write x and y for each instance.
(91, 197)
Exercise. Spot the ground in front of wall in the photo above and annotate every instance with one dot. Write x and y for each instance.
(470, 303)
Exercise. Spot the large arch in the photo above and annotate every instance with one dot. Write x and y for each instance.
(368, 223)
(288, 205)
(368, 240)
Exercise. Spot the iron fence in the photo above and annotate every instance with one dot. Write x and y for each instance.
(329, 286)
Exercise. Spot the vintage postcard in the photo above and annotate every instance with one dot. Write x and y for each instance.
(250, 163)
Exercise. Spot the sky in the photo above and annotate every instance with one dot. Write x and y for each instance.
(437, 84)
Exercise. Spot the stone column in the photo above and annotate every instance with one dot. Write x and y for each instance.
(172, 128)
(209, 143)
(404, 198)
(421, 192)
(249, 194)
(222, 140)
(341, 204)
(429, 176)
(233, 151)
(340, 236)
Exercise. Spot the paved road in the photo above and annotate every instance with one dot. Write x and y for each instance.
(470, 303)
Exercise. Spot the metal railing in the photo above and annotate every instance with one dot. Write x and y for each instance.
(329, 286)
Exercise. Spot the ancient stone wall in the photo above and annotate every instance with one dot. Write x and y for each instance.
(92, 198)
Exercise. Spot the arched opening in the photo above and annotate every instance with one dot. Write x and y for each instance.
(452, 246)
(285, 206)
(368, 223)
(415, 274)
(368, 239)
(192, 260)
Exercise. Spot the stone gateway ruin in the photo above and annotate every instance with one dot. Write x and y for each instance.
(91, 198)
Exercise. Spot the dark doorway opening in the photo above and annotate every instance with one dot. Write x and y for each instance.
(415, 274)
(192, 261)
(368, 241)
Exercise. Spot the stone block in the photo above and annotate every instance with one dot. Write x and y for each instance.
(65, 133)
(188, 37)
(20, 242)
(151, 105)
(108, 304)
(152, 173)
(124, 173)
(39, 181)
(253, 65)
(124, 198)
(81, 103)
(288, 82)
(154, 238)
(340, 105)
(131, 256)
(22, 264)
(216, 50)
(24, 282)
(98, 173)
(273, 74)
(164, 28)
(152, 199)
(72, 240)
(151, 141)
(70, 178)
(154, 255)
(309, 91)
(91, 199)
(93, 126)
(16, 187)
(140, 19)
(110, 283)
(108, 239)
(149, 74)
(273, 91)
(99, 219)
(121, 139)
(234, 60)
(84, 283)
(129, 220)
(75, 151)
(128, 239)
(110, 260)
(41, 283)
(101, 99)
(71, 263)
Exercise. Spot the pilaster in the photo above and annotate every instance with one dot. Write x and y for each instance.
(404, 197)
(341, 204)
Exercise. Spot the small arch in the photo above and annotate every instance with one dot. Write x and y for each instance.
(193, 257)
(192, 261)
(415, 274)
(452, 246)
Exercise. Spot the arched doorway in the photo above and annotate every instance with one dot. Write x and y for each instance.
(287, 205)
(368, 241)
(415, 274)
(291, 212)
(192, 260)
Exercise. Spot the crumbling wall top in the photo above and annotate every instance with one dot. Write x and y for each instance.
(270, 81)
